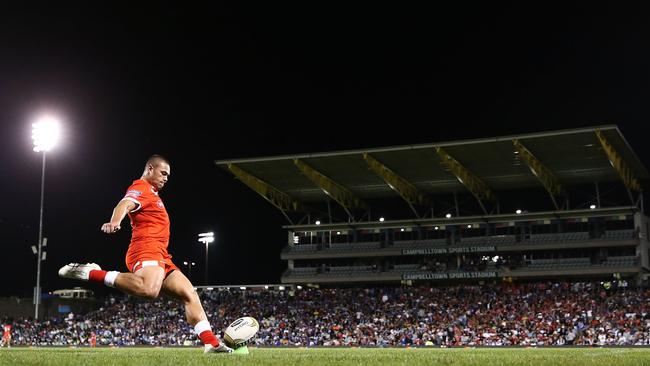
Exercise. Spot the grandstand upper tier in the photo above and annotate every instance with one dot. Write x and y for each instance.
(548, 204)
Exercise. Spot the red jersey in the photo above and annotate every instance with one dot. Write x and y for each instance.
(7, 331)
(149, 220)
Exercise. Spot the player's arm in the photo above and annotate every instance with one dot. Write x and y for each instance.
(119, 212)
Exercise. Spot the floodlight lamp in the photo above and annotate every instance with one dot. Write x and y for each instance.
(45, 133)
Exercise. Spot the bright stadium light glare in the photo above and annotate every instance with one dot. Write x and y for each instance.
(381, 219)
(518, 212)
(593, 207)
(299, 287)
(206, 238)
(402, 229)
(448, 215)
(317, 222)
(436, 228)
(45, 133)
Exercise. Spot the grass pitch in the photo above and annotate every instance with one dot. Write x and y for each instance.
(328, 356)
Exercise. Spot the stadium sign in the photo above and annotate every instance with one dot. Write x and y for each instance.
(473, 249)
(425, 251)
(445, 276)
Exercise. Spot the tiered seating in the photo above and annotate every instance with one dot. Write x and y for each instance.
(303, 248)
(555, 237)
(406, 267)
(353, 246)
(623, 261)
(489, 240)
(620, 235)
(559, 263)
(342, 271)
(413, 244)
(303, 271)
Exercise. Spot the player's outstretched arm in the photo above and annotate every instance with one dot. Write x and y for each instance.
(119, 212)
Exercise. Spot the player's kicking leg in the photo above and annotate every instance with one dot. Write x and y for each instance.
(145, 282)
(179, 287)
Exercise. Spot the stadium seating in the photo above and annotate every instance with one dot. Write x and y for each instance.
(528, 314)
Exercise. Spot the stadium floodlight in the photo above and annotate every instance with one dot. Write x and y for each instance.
(448, 215)
(469, 226)
(206, 238)
(518, 212)
(317, 222)
(338, 233)
(436, 228)
(189, 268)
(381, 219)
(242, 288)
(45, 135)
(593, 207)
(281, 288)
(402, 229)
(299, 287)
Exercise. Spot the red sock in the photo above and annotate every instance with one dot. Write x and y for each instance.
(207, 337)
(97, 275)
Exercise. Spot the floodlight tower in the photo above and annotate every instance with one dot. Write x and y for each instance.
(45, 135)
(206, 238)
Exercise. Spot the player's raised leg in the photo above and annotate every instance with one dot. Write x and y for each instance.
(145, 282)
(179, 287)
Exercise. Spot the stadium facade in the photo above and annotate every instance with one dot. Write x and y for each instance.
(553, 205)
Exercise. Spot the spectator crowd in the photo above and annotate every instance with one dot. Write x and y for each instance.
(534, 314)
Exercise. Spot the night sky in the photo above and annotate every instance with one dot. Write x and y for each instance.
(201, 83)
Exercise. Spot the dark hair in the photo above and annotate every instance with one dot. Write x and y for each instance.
(156, 159)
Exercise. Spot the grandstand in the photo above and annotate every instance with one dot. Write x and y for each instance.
(554, 205)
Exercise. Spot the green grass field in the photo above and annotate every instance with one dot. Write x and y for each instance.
(328, 356)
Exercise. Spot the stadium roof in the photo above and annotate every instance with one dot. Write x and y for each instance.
(547, 159)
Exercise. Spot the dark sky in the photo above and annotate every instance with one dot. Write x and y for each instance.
(199, 83)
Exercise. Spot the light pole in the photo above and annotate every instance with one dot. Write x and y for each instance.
(45, 134)
(189, 271)
(206, 238)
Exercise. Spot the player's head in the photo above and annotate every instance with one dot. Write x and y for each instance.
(156, 171)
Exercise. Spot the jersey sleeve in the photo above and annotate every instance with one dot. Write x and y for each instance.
(134, 193)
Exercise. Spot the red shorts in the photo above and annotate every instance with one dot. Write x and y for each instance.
(152, 253)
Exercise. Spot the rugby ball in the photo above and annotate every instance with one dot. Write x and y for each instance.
(240, 332)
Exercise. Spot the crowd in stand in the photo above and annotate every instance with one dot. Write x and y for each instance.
(537, 314)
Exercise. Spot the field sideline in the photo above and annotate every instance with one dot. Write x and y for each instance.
(328, 356)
